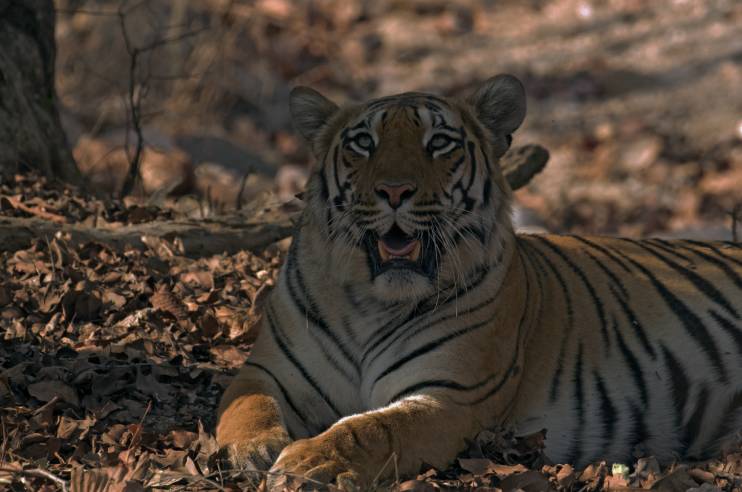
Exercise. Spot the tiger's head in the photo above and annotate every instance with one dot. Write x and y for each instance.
(408, 191)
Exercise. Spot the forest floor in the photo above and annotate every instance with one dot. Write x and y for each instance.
(112, 361)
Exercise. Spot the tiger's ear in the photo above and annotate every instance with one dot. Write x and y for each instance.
(500, 105)
(310, 111)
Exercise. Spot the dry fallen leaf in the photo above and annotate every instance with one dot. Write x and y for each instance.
(47, 390)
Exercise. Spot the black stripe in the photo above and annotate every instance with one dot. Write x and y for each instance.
(337, 173)
(668, 248)
(728, 423)
(325, 190)
(427, 324)
(487, 191)
(729, 327)
(417, 119)
(292, 358)
(429, 347)
(693, 426)
(283, 391)
(608, 412)
(311, 311)
(455, 165)
(487, 163)
(616, 281)
(329, 356)
(579, 396)
(528, 249)
(382, 335)
(716, 251)
(691, 322)
(639, 431)
(634, 366)
(703, 285)
(679, 384)
(442, 340)
(379, 336)
(633, 321)
(471, 147)
(440, 383)
(603, 250)
(513, 367)
(731, 274)
(363, 124)
(590, 289)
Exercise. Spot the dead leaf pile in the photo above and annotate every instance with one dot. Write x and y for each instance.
(111, 365)
(33, 195)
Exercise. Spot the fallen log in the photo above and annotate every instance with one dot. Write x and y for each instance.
(193, 238)
(198, 238)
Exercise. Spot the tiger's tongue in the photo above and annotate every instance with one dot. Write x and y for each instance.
(398, 246)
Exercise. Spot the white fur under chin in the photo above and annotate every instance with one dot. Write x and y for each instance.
(401, 285)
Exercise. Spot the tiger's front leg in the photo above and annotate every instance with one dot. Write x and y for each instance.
(358, 449)
(251, 426)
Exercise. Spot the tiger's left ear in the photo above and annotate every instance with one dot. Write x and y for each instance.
(310, 111)
(500, 105)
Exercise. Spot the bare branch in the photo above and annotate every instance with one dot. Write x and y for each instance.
(38, 473)
(138, 88)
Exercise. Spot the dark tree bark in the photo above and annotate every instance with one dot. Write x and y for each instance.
(30, 129)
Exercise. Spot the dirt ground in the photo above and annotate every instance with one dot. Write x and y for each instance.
(112, 359)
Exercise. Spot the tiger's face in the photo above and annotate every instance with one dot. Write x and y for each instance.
(408, 187)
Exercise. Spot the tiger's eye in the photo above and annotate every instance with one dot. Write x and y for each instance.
(439, 141)
(365, 141)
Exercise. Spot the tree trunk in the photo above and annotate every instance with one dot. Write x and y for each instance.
(30, 130)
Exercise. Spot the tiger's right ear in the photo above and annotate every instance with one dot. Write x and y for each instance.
(310, 111)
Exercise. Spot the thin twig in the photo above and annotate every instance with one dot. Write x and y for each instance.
(38, 212)
(51, 259)
(736, 215)
(4, 448)
(38, 473)
(392, 458)
(243, 183)
(284, 474)
(141, 425)
(133, 105)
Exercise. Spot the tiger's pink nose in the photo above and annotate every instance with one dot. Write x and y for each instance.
(395, 194)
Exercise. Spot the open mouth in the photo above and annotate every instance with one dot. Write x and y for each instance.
(398, 250)
(394, 246)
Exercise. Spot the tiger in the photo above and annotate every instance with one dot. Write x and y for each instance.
(409, 315)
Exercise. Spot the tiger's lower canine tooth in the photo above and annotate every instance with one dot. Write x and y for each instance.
(382, 251)
(415, 254)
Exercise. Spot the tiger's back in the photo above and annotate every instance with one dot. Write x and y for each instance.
(640, 344)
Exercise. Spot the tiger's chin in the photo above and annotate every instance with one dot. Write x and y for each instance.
(401, 286)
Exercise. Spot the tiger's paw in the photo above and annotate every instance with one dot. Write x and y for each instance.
(318, 464)
(257, 453)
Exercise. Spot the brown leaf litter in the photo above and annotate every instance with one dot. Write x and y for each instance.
(112, 364)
